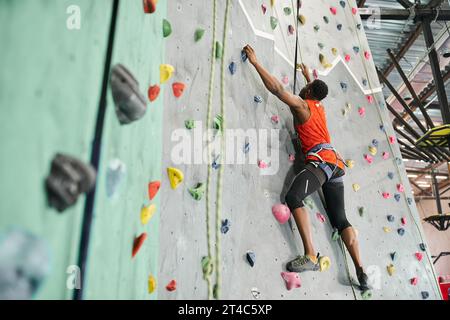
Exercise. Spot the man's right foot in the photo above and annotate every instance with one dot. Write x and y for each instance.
(362, 279)
(302, 263)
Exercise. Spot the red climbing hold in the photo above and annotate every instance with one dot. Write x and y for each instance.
(403, 220)
(386, 195)
(263, 8)
(281, 213)
(153, 188)
(153, 93)
(414, 281)
(347, 57)
(150, 6)
(333, 10)
(138, 242)
(419, 256)
(367, 55)
(369, 99)
(172, 286)
(391, 139)
(354, 10)
(178, 89)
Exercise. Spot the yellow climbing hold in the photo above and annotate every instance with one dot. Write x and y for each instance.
(302, 19)
(324, 263)
(350, 163)
(373, 150)
(324, 62)
(356, 187)
(151, 284)
(334, 51)
(147, 213)
(165, 72)
(387, 229)
(391, 269)
(272, 3)
(175, 176)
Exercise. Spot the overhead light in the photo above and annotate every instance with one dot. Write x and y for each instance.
(428, 177)
(412, 175)
(446, 53)
(405, 160)
(412, 192)
(408, 98)
(399, 127)
(441, 177)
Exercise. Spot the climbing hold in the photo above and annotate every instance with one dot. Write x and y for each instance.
(172, 286)
(302, 19)
(326, 19)
(350, 163)
(342, 3)
(175, 177)
(356, 187)
(246, 147)
(167, 28)
(409, 200)
(358, 26)
(347, 58)
(153, 92)
(400, 187)
(147, 213)
(333, 10)
(216, 165)
(225, 226)
(324, 62)
(399, 161)
(165, 72)
(251, 258)
(361, 211)
(370, 99)
(356, 49)
(386, 195)
(309, 203)
(262, 164)
(367, 55)
(339, 27)
(285, 80)
(273, 22)
(382, 128)
(316, 28)
(281, 213)
(375, 142)
(275, 119)
(320, 217)
(272, 3)
(390, 218)
(292, 280)
(372, 150)
(198, 191)
(354, 10)
(218, 122)
(348, 107)
(150, 6)
(391, 269)
(151, 284)
(391, 175)
(137, 244)
(264, 8)
(423, 246)
(219, 50)
(198, 35)
(362, 111)
(391, 139)
(153, 188)
(368, 158)
(324, 264)
(258, 99)
(255, 293)
(334, 51)
(397, 197)
(130, 104)
(178, 89)
(403, 221)
(387, 229)
(115, 174)
(401, 231)
(189, 124)
(385, 155)
(68, 179)
(207, 267)
(291, 29)
(232, 67)
(425, 295)
(292, 157)
(393, 255)
(344, 86)
(364, 82)
(414, 281)
(335, 235)
(418, 256)
(287, 11)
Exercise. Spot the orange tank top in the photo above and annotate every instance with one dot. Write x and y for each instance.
(314, 132)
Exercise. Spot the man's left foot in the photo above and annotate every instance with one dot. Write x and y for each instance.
(362, 279)
(301, 264)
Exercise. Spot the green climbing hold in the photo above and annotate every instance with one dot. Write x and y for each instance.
(190, 124)
(273, 22)
(335, 235)
(218, 122)
(216, 292)
(207, 267)
(198, 191)
(326, 19)
(366, 295)
(219, 50)
(199, 33)
(321, 45)
(309, 203)
(287, 11)
(167, 28)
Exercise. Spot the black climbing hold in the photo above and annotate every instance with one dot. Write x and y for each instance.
(393, 255)
(423, 246)
(251, 258)
(342, 3)
(382, 128)
(391, 175)
(401, 231)
(225, 226)
(397, 197)
(425, 295)
(344, 86)
(364, 81)
(68, 179)
(339, 27)
(326, 19)
(358, 26)
(375, 142)
(390, 218)
(130, 103)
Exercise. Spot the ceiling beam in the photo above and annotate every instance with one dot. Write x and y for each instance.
(405, 14)
(405, 3)
(361, 3)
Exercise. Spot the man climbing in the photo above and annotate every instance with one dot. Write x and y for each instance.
(323, 168)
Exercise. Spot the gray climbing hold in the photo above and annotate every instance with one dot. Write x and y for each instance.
(326, 19)
(115, 174)
(399, 161)
(287, 11)
(391, 175)
(130, 104)
(393, 255)
(364, 82)
(397, 197)
(198, 191)
(409, 200)
(243, 56)
(375, 142)
(246, 147)
(273, 22)
(339, 27)
(390, 218)
(232, 67)
(251, 258)
(361, 211)
(425, 295)
(423, 246)
(316, 27)
(342, 3)
(321, 45)
(226, 225)
(344, 86)
(258, 99)
(401, 231)
(358, 26)
(382, 128)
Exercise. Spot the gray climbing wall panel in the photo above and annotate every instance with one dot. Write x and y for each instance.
(248, 195)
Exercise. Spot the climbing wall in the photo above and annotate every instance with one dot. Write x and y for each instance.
(333, 44)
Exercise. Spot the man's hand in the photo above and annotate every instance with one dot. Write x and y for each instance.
(250, 54)
(304, 69)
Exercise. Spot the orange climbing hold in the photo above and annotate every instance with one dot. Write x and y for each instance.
(150, 5)
(172, 286)
(137, 244)
(178, 89)
(153, 188)
(153, 93)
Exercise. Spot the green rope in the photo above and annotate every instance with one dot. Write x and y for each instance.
(207, 261)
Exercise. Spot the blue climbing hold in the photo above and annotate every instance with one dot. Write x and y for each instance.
(215, 165)
(232, 67)
(398, 160)
(393, 255)
(375, 142)
(243, 56)
(251, 258)
(391, 175)
(390, 218)
(425, 295)
(397, 197)
(342, 3)
(247, 147)
(258, 99)
(423, 246)
(225, 226)
(339, 27)
(401, 231)
(410, 201)
(356, 49)
(344, 86)
(364, 82)
(382, 128)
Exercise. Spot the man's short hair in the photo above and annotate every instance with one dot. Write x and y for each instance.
(319, 89)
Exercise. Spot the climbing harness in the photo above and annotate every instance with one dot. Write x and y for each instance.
(322, 164)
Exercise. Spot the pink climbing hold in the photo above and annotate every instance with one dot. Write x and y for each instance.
(275, 119)
(292, 157)
(385, 155)
(414, 281)
(321, 217)
(400, 188)
(367, 55)
(347, 57)
(292, 280)
(315, 74)
(368, 158)
(291, 29)
(403, 221)
(419, 256)
(285, 80)
(369, 99)
(362, 111)
(262, 164)
(354, 10)
(386, 195)
(333, 10)
(281, 213)
(263, 8)
(391, 139)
